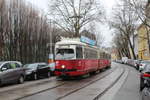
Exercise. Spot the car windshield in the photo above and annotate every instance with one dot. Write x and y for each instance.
(64, 54)
(30, 65)
(147, 68)
(145, 62)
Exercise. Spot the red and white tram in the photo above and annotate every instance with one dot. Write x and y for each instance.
(75, 58)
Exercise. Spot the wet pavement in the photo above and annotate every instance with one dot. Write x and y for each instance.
(25, 91)
(130, 89)
(32, 88)
(127, 88)
(121, 82)
(92, 91)
(74, 90)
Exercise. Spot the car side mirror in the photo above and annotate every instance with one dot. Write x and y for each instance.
(4, 69)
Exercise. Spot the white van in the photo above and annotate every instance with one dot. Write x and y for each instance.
(124, 60)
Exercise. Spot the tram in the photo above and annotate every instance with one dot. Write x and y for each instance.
(74, 58)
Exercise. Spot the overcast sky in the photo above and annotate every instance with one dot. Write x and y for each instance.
(104, 29)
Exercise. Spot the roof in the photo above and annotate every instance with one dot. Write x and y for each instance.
(4, 62)
(70, 42)
(76, 41)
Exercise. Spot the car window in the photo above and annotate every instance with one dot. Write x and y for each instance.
(147, 68)
(17, 65)
(13, 65)
(41, 65)
(145, 62)
(31, 65)
(7, 66)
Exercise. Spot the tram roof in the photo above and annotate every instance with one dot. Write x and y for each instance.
(77, 42)
(71, 42)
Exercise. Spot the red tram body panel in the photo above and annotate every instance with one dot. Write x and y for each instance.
(75, 67)
(76, 59)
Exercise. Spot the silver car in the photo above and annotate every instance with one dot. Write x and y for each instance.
(11, 71)
(143, 64)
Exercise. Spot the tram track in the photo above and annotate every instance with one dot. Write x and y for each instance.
(26, 90)
(109, 87)
(6, 88)
(19, 95)
(94, 98)
(83, 86)
(103, 75)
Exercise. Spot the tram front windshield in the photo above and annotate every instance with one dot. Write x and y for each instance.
(64, 54)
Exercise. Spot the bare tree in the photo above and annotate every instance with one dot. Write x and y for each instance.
(142, 10)
(73, 15)
(125, 22)
(121, 44)
(24, 33)
(99, 38)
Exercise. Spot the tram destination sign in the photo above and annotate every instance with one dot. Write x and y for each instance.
(87, 40)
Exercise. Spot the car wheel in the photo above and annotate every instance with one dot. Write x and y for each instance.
(0, 82)
(35, 77)
(21, 80)
(48, 74)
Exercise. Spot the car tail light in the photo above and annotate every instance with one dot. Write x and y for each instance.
(146, 75)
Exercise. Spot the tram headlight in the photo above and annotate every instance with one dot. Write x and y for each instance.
(63, 66)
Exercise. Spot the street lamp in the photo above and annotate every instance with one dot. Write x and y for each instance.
(50, 45)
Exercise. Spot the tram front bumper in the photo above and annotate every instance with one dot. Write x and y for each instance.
(68, 72)
(65, 70)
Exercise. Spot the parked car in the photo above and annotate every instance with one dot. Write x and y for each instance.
(37, 70)
(137, 64)
(124, 60)
(119, 61)
(131, 62)
(146, 91)
(144, 76)
(143, 64)
(11, 71)
(146, 83)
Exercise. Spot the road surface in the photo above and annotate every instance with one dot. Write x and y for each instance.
(121, 82)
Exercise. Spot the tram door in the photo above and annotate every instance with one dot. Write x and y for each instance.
(79, 56)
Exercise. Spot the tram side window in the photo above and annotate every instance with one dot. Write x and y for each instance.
(90, 54)
(79, 52)
(87, 53)
(103, 55)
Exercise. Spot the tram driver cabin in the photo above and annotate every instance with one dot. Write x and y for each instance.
(74, 58)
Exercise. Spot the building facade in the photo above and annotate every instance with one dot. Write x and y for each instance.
(143, 30)
(143, 49)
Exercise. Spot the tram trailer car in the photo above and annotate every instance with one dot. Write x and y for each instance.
(75, 58)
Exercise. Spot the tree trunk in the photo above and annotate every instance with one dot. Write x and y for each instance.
(132, 48)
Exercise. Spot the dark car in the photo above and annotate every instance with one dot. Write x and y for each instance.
(146, 90)
(137, 64)
(37, 70)
(144, 76)
(11, 71)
